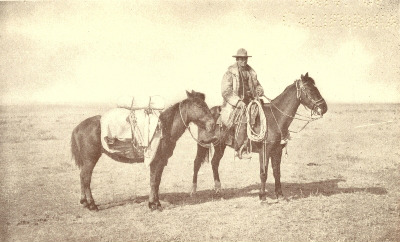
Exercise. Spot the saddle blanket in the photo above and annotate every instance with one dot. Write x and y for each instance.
(115, 124)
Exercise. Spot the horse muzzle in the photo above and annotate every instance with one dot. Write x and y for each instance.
(207, 133)
(320, 108)
(209, 139)
(210, 126)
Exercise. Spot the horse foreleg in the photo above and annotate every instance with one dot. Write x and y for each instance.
(200, 157)
(153, 190)
(86, 193)
(156, 169)
(219, 152)
(264, 159)
(276, 166)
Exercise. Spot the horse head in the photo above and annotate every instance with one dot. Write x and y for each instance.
(198, 112)
(309, 95)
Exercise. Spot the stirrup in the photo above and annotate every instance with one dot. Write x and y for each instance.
(243, 154)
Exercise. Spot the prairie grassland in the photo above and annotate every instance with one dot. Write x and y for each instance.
(341, 181)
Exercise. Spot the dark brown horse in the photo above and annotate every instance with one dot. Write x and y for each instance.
(279, 115)
(86, 145)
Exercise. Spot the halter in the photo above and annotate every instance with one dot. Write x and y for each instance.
(188, 128)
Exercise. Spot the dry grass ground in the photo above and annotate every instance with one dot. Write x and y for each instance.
(342, 184)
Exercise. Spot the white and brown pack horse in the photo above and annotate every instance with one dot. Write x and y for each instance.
(86, 144)
(279, 115)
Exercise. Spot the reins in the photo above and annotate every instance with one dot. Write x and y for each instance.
(299, 89)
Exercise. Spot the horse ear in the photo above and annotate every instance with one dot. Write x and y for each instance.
(202, 96)
(302, 77)
(188, 94)
(307, 74)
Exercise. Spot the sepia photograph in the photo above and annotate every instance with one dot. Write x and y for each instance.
(200, 120)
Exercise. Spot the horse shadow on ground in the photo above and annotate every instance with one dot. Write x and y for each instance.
(293, 191)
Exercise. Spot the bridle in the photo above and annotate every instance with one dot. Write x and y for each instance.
(188, 128)
(301, 89)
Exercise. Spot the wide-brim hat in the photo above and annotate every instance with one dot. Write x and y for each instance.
(241, 53)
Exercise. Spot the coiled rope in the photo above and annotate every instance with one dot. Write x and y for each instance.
(251, 134)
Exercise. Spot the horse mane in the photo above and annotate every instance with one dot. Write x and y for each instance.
(167, 117)
(284, 92)
(309, 80)
(305, 81)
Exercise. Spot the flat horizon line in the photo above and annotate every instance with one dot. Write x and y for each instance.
(112, 104)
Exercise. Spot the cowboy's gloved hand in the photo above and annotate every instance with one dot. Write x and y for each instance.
(240, 104)
(259, 91)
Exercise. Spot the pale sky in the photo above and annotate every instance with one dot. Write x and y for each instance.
(63, 52)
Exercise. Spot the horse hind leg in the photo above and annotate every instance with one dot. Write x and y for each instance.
(86, 193)
(86, 150)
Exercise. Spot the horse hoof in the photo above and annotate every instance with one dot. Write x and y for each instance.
(217, 187)
(93, 207)
(262, 196)
(193, 191)
(279, 195)
(155, 206)
(152, 206)
(281, 198)
(84, 203)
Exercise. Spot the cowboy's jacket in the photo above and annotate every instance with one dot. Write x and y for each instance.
(230, 85)
(230, 90)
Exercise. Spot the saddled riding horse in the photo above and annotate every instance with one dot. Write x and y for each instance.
(279, 114)
(86, 144)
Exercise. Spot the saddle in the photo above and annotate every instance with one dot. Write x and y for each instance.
(234, 116)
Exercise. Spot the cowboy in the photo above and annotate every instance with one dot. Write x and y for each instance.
(239, 86)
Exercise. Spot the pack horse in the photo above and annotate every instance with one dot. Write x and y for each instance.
(88, 138)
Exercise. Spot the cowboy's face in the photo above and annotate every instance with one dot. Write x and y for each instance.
(242, 61)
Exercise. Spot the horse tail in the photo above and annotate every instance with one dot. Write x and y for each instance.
(75, 151)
